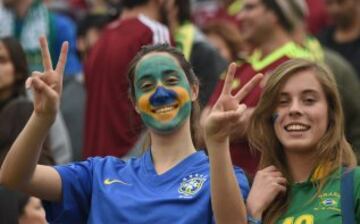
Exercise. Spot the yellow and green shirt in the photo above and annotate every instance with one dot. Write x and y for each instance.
(325, 207)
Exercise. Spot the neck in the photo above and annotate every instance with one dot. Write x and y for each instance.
(301, 165)
(272, 42)
(299, 34)
(349, 33)
(169, 150)
(146, 10)
(5, 94)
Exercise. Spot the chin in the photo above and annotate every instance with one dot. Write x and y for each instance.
(300, 148)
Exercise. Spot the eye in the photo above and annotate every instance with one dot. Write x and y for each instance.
(171, 80)
(309, 100)
(146, 86)
(283, 101)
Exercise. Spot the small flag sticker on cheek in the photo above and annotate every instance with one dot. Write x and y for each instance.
(274, 116)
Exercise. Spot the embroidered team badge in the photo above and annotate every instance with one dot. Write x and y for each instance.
(328, 201)
(191, 185)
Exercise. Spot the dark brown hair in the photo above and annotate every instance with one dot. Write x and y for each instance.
(18, 59)
(189, 73)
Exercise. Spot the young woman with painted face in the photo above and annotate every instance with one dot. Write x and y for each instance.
(298, 127)
(169, 183)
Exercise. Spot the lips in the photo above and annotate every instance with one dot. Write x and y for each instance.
(296, 127)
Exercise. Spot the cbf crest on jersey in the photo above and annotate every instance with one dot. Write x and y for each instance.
(191, 185)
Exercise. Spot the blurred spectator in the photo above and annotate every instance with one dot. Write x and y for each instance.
(266, 26)
(31, 210)
(27, 20)
(345, 75)
(15, 107)
(204, 11)
(73, 98)
(344, 35)
(15, 110)
(111, 124)
(88, 32)
(317, 17)
(16, 207)
(226, 38)
(207, 62)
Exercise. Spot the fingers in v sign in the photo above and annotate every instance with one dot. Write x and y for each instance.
(224, 117)
(47, 85)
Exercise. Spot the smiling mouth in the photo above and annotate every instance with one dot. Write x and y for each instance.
(295, 127)
(165, 109)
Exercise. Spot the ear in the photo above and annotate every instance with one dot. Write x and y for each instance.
(137, 109)
(135, 105)
(194, 92)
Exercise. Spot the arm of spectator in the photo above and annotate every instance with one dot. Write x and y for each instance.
(219, 123)
(19, 170)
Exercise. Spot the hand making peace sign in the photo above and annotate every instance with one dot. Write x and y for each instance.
(224, 117)
(47, 85)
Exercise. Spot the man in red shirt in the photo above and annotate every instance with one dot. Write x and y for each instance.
(111, 125)
(266, 26)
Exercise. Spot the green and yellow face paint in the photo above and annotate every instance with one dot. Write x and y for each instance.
(162, 92)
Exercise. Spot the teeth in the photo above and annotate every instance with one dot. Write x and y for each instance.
(164, 109)
(296, 127)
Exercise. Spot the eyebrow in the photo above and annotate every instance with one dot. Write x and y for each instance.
(170, 72)
(306, 91)
(146, 76)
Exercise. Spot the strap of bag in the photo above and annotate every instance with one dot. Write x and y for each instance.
(347, 196)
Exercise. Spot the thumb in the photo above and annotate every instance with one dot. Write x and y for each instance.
(39, 86)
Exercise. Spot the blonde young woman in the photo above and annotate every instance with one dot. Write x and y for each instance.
(298, 127)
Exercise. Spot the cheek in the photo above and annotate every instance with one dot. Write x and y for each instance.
(278, 118)
(143, 103)
(7, 76)
(322, 117)
(182, 94)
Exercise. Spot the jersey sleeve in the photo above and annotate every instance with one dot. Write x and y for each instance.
(243, 182)
(357, 193)
(76, 181)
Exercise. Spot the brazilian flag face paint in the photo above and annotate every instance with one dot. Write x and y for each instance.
(162, 92)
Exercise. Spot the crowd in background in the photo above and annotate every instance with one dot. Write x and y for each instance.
(97, 117)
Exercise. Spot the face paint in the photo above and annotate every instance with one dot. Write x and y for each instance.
(162, 92)
(274, 116)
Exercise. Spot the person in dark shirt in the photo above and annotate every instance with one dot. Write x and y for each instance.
(344, 35)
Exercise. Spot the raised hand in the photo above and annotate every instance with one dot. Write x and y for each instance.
(268, 183)
(47, 85)
(226, 115)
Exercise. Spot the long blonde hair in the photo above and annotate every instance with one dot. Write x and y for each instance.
(333, 148)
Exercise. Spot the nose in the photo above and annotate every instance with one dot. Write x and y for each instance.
(295, 108)
(162, 96)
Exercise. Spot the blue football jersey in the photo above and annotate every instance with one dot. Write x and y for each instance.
(109, 190)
